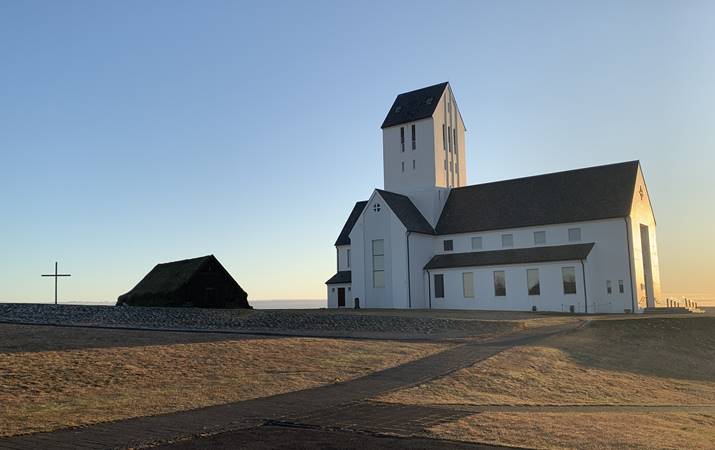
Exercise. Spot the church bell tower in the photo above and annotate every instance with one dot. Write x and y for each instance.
(423, 148)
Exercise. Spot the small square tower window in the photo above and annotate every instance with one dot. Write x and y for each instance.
(539, 237)
(574, 234)
(448, 245)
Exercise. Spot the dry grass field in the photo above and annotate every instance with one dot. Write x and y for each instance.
(592, 431)
(47, 390)
(645, 361)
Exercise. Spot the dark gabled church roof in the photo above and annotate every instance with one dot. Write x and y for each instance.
(592, 193)
(414, 105)
(512, 256)
(342, 277)
(344, 237)
(407, 212)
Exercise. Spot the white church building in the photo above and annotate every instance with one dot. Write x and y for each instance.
(580, 241)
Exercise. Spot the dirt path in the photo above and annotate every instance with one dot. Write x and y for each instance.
(342, 407)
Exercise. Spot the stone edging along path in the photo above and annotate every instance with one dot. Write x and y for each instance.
(325, 405)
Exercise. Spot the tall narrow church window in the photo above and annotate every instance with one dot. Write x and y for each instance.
(568, 274)
(403, 166)
(378, 263)
(444, 136)
(348, 258)
(532, 282)
(609, 288)
(620, 287)
(402, 138)
(468, 284)
(439, 286)
(499, 283)
(414, 138)
(414, 164)
(449, 138)
(454, 131)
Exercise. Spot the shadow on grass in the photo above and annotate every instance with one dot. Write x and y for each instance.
(681, 348)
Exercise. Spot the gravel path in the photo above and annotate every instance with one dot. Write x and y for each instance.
(323, 322)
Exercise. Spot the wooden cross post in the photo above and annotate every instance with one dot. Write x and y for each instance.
(56, 275)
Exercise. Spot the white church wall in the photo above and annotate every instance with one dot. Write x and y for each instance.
(642, 214)
(343, 258)
(551, 298)
(607, 261)
(333, 295)
(421, 251)
(456, 174)
(374, 225)
(359, 261)
(413, 177)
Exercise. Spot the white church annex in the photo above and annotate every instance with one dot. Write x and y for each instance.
(579, 241)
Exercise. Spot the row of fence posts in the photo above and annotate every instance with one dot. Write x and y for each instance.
(676, 304)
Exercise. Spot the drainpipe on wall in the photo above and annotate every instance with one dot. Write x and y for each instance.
(630, 267)
(585, 290)
(409, 287)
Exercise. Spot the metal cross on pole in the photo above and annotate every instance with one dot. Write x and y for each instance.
(56, 275)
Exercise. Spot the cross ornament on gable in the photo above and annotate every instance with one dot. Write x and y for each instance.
(56, 275)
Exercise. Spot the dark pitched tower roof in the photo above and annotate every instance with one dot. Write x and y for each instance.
(344, 237)
(407, 212)
(414, 105)
(592, 193)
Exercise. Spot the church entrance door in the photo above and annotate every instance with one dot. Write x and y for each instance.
(341, 297)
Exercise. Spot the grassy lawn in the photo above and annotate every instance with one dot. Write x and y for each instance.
(648, 361)
(47, 390)
(585, 430)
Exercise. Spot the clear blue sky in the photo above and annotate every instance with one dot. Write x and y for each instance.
(138, 132)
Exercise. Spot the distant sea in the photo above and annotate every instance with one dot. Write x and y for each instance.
(257, 304)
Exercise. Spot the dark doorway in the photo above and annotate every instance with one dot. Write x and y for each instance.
(341, 297)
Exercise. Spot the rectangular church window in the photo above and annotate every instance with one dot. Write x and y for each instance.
(448, 245)
(532, 281)
(609, 289)
(468, 284)
(414, 138)
(455, 139)
(620, 287)
(378, 263)
(402, 138)
(507, 240)
(499, 283)
(574, 234)
(439, 286)
(539, 237)
(568, 275)
(477, 243)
